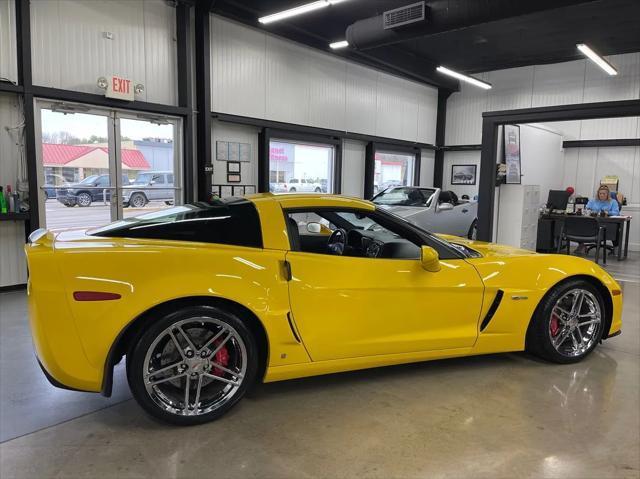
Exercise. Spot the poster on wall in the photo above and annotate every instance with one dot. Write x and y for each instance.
(245, 152)
(222, 150)
(463, 174)
(512, 153)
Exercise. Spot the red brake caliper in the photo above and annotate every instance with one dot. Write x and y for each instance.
(553, 325)
(222, 358)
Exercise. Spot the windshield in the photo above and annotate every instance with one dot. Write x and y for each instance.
(89, 179)
(405, 196)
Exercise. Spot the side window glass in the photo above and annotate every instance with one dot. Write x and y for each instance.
(347, 233)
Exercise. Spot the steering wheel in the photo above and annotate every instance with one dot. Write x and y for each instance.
(337, 242)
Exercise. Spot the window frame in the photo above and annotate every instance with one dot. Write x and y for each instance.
(370, 163)
(270, 134)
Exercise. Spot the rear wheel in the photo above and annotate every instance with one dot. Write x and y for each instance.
(137, 200)
(292, 190)
(192, 365)
(318, 190)
(568, 324)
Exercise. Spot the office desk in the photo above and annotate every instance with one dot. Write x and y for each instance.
(555, 221)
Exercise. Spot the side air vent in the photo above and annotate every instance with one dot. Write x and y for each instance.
(403, 16)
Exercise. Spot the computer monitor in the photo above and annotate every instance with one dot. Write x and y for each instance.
(558, 200)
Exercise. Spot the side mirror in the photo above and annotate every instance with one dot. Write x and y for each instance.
(445, 207)
(429, 259)
(314, 228)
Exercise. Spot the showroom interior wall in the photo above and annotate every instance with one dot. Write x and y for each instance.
(13, 270)
(258, 75)
(8, 51)
(557, 84)
(70, 48)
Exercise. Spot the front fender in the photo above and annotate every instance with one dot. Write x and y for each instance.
(524, 280)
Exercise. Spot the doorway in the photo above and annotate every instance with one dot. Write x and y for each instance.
(88, 157)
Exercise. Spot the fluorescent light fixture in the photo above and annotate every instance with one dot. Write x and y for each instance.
(597, 59)
(468, 79)
(336, 45)
(292, 12)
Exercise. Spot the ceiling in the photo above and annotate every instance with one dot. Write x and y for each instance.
(469, 36)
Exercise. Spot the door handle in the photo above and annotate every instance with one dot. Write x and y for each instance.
(465, 210)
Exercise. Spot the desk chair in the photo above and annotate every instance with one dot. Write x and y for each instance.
(583, 230)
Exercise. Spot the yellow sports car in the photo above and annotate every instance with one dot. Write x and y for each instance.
(206, 299)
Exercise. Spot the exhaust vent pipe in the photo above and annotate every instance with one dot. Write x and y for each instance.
(391, 27)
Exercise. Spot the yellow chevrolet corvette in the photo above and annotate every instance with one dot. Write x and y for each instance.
(206, 299)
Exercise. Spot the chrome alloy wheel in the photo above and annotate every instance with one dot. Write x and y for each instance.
(194, 366)
(575, 322)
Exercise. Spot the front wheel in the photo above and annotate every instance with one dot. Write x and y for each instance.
(292, 190)
(84, 200)
(137, 200)
(568, 323)
(192, 365)
(318, 190)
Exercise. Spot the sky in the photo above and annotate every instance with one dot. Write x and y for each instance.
(83, 125)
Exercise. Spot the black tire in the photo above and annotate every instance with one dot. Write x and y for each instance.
(473, 230)
(84, 199)
(139, 348)
(539, 334)
(138, 200)
(318, 190)
(292, 190)
(69, 205)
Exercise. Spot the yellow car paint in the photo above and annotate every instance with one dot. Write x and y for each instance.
(351, 313)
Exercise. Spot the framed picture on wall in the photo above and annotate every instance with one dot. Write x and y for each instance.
(512, 154)
(233, 167)
(233, 178)
(463, 174)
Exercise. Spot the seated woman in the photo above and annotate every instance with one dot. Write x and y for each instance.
(602, 203)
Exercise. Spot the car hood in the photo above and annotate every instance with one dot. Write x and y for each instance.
(488, 249)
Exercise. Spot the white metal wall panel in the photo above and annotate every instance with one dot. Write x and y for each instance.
(511, 88)
(362, 93)
(625, 85)
(12, 261)
(602, 129)
(390, 107)
(287, 86)
(427, 114)
(558, 83)
(570, 170)
(327, 91)
(353, 159)
(160, 52)
(8, 52)
(586, 172)
(70, 51)
(427, 163)
(256, 74)
(238, 69)
(464, 115)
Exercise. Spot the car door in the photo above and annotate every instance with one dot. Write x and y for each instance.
(349, 306)
(101, 190)
(155, 192)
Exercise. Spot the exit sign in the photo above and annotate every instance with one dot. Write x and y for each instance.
(120, 88)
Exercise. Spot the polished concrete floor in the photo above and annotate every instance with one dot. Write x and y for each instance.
(493, 416)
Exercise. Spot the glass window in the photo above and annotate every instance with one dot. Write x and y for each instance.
(393, 169)
(348, 233)
(300, 167)
(230, 221)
